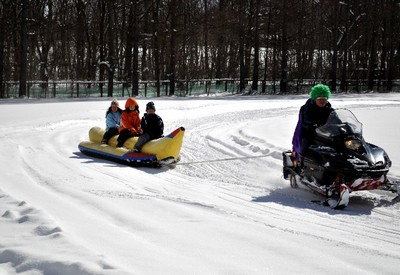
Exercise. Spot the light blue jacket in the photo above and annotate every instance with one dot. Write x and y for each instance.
(112, 120)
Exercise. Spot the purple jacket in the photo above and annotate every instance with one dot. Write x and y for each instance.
(310, 117)
(296, 140)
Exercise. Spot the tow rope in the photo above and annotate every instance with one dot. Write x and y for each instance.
(219, 160)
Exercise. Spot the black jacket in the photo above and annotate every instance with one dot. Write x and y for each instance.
(152, 125)
(313, 117)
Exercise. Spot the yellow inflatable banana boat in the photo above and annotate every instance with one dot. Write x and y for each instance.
(155, 152)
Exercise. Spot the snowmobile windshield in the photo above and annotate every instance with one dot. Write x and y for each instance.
(340, 122)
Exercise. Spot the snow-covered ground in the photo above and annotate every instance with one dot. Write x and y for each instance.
(224, 209)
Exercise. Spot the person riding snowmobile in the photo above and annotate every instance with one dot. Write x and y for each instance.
(330, 156)
(312, 114)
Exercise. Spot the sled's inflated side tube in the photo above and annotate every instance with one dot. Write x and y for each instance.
(167, 147)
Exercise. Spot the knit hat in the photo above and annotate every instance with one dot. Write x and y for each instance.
(150, 105)
(115, 102)
(320, 90)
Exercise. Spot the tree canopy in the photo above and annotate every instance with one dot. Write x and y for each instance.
(251, 40)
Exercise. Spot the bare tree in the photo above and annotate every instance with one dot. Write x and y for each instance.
(136, 40)
(156, 44)
(372, 34)
(284, 48)
(254, 85)
(242, 68)
(393, 29)
(102, 46)
(145, 45)
(337, 42)
(173, 6)
(80, 39)
(23, 49)
(4, 7)
(220, 53)
(111, 47)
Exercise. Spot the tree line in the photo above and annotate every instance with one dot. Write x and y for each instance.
(254, 41)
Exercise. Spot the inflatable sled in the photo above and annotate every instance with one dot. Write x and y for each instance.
(164, 150)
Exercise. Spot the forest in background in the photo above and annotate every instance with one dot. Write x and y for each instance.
(339, 43)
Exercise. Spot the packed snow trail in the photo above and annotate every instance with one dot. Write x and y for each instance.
(237, 216)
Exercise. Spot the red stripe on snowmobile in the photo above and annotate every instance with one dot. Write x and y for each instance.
(366, 184)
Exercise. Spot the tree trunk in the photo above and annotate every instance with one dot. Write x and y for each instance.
(284, 49)
(80, 40)
(135, 60)
(343, 81)
(3, 11)
(156, 45)
(335, 38)
(205, 35)
(172, 61)
(220, 62)
(127, 75)
(391, 45)
(372, 66)
(111, 50)
(256, 64)
(264, 84)
(242, 77)
(146, 29)
(23, 50)
(102, 68)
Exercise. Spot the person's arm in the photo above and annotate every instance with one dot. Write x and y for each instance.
(161, 127)
(307, 119)
(136, 127)
(109, 121)
(124, 122)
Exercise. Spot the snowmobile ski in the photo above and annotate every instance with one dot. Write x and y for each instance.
(342, 201)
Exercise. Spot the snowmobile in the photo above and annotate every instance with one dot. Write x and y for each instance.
(340, 161)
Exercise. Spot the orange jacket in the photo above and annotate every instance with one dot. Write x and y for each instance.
(130, 119)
